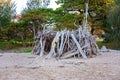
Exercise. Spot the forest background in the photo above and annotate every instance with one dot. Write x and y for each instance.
(19, 30)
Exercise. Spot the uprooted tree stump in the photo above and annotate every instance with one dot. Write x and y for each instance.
(65, 44)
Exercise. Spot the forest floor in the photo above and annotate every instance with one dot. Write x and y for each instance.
(24, 66)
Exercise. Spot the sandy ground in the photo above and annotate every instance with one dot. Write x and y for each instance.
(30, 67)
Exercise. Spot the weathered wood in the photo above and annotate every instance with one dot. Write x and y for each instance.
(66, 53)
(54, 42)
(59, 44)
(79, 48)
(42, 48)
(69, 55)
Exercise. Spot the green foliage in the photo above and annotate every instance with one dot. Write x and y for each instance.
(37, 18)
(97, 10)
(15, 44)
(114, 17)
(100, 44)
(111, 45)
(6, 45)
(65, 20)
(7, 13)
(113, 27)
(27, 50)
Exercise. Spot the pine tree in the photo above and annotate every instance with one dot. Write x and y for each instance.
(7, 12)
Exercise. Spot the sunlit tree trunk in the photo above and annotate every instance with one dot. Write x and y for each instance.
(85, 24)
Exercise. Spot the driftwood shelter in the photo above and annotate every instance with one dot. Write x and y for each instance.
(65, 43)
